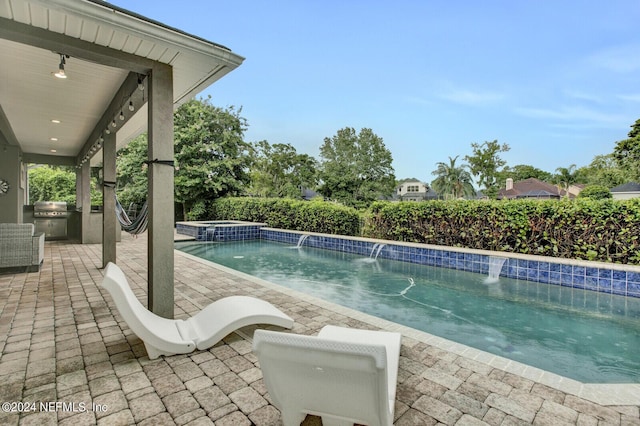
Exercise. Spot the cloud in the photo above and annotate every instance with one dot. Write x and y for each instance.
(572, 113)
(471, 97)
(418, 100)
(582, 96)
(619, 59)
(632, 97)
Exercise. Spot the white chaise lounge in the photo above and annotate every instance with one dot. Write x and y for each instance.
(162, 336)
(344, 375)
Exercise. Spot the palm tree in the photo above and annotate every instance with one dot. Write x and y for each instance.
(452, 181)
(565, 177)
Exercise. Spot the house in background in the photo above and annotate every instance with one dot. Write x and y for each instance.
(535, 188)
(626, 191)
(414, 190)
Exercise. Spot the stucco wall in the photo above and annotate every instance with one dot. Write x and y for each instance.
(11, 203)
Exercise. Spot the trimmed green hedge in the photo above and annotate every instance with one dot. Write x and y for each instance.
(310, 216)
(603, 230)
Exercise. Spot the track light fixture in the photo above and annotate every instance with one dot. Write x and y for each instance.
(61, 73)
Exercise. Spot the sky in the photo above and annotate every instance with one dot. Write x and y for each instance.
(558, 81)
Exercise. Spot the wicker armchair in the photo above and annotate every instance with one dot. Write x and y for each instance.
(20, 246)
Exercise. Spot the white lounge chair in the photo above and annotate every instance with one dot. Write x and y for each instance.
(162, 336)
(344, 375)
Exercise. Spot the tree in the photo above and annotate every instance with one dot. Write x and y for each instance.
(355, 168)
(627, 152)
(452, 181)
(279, 171)
(54, 183)
(603, 170)
(521, 172)
(211, 156)
(484, 164)
(131, 173)
(565, 177)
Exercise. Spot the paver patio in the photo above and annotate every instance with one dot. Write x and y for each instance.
(64, 345)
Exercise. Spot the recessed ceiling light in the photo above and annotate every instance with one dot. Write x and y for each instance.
(54, 121)
(54, 139)
(54, 150)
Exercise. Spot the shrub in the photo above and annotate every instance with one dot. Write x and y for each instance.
(604, 230)
(596, 192)
(310, 216)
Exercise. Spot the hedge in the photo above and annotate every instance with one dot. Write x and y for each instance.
(309, 216)
(603, 230)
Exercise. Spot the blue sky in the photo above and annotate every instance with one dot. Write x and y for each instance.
(559, 81)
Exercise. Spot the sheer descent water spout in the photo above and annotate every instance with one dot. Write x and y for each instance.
(495, 266)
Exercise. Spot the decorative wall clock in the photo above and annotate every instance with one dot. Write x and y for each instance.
(4, 187)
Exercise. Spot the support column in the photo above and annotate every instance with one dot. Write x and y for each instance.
(161, 216)
(109, 220)
(83, 199)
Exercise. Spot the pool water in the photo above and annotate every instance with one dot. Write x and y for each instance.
(587, 336)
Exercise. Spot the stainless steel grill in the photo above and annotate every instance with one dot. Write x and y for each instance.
(50, 217)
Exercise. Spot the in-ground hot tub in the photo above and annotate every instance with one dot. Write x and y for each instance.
(220, 230)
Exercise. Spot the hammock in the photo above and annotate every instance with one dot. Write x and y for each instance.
(135, 226)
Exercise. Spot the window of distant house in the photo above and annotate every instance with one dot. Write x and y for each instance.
(413, 188)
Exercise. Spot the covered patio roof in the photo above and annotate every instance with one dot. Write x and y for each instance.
(105, 44)
(124, 74)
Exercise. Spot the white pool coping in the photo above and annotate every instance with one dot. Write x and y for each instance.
(602, 394)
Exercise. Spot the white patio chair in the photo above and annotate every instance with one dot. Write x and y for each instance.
(344, 375)
(162, 336)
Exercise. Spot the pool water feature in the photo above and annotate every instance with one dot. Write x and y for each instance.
(584, 335)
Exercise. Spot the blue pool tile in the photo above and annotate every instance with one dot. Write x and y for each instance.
(579, 270)
(543, 266)
(555, 277)
(591, 272)
(633, 276)
(566, 269)
(633, 288)
(532, 274)
(543, 277)
(555, 267)
(619, 287)
(522, 273)
(579, 281)
(591, 283)
(567, 280)
(620, 275)
(604, 285)
(605, 273)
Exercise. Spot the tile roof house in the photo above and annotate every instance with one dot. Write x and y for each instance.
(626, 191)
(533, 188)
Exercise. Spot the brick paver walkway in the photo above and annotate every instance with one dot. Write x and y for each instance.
(66, 349)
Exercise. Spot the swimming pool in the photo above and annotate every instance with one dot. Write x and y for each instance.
(588, 336)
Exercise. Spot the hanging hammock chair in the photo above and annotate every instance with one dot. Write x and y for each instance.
(136, 226)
